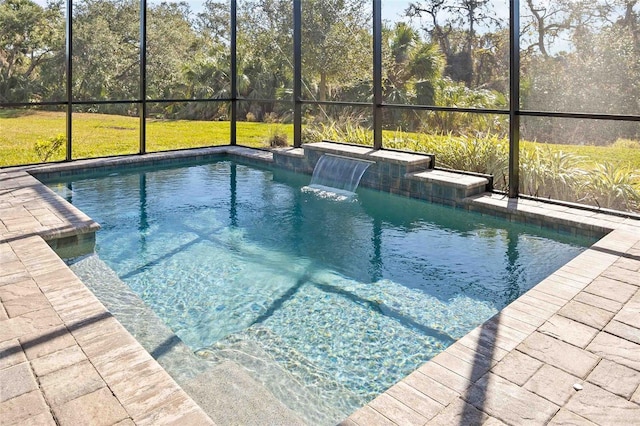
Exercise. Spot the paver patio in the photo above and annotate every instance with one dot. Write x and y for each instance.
(65, 360)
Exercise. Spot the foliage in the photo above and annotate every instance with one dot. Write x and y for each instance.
(105, 51)
(347, 131)
(47, 148)
(608, 185)
(597, 71)
(336, 37)
(454, 26)
(31, 51)
(549, 173)
(481, 154)
(412, 66)
(559, 175)
(276, 136)
(458, 95)
(626, 144)
(265, 45)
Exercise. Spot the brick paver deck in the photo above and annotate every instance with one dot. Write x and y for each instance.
(566, 352)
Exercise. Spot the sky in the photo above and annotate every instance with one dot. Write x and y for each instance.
(393, 10)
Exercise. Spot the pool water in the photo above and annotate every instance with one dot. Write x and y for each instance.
(347, 296)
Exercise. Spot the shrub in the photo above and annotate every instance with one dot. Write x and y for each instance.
(626, 144)
(346, 130)
(455, 94)
(612, 186)
(545, 172)
(480, 154)
(47, 148)
(271, 117)
(277, 138)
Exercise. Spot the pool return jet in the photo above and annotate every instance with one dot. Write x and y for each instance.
(337, 175)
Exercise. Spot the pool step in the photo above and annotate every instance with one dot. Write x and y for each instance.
(230, 396)
(287, 374)
(223, 389)
(152, 333)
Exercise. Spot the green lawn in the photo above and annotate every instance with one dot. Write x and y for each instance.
(97, 135)
(629, 157)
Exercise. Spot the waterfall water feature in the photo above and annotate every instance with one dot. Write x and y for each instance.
(338, 175)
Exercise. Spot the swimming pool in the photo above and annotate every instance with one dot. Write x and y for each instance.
(343, 297)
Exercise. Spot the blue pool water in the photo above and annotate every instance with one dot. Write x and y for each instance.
(345, 296)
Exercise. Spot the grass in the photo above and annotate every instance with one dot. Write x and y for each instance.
(99, 135)
(593, 155)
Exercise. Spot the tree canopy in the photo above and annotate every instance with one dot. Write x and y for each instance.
(577, 56)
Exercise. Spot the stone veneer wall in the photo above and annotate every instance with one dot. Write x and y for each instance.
(408, 174)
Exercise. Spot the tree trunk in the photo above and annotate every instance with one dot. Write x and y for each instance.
(323, 86)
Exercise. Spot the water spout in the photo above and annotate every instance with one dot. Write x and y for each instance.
(340, 175)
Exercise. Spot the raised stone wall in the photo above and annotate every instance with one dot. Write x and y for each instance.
(408, 174)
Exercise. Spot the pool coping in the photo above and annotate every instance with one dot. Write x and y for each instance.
(501, 372)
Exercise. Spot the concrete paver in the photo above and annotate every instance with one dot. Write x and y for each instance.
(615, 378)
(431, 388)
(58, 360)
(559, 354)
(628, 263)
(61, 386)
(396, 411)
(368, 416)
(586, 314)
(471, 371)
(623, 275)
(16, 380)
(602, 407)
(11, 353)
(567, 418)
(549, 298)
(46, 341)
(636, 396)
(509, 402)
(624, 331)
(598, 302)
(415, 399)
(445, 376)
(552, 384)
(517, 367)
(569, 331)
(3, 314)
(611, 289)
(616, 349)
(630, 312)
(459, 412)
(97, 408)
(26, 406)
